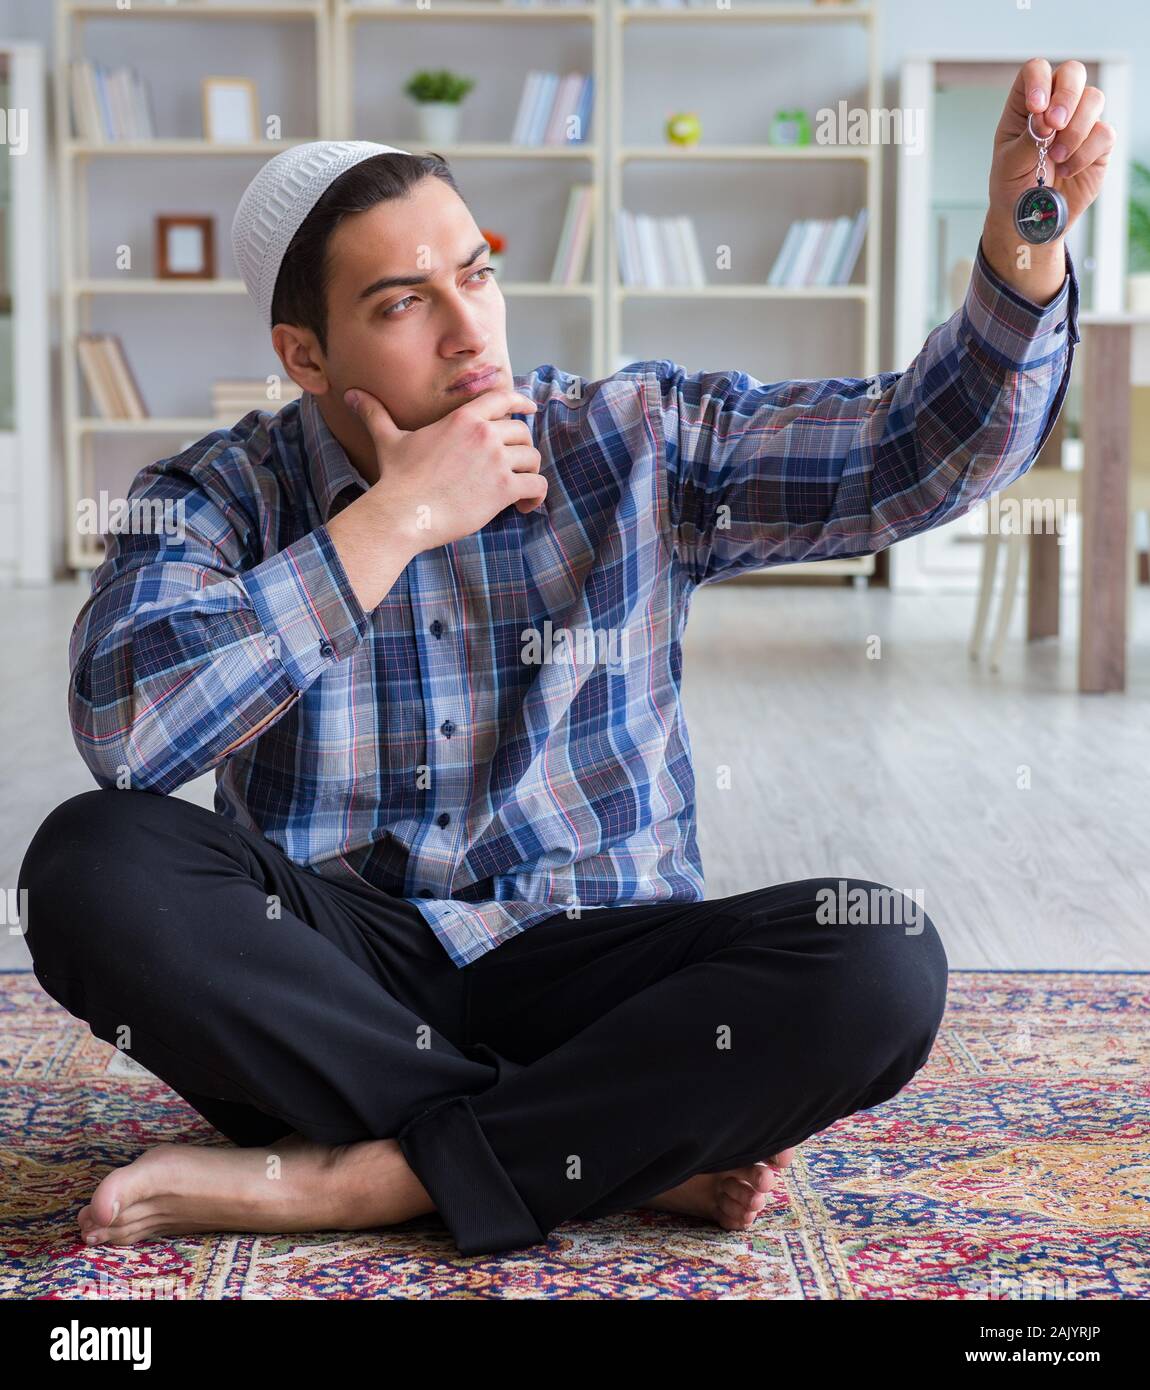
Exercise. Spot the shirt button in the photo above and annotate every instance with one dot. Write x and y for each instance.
(447, 728)
(325, 648)
(1060, 327)
(425, 893)
(436, 628)
(443, 819)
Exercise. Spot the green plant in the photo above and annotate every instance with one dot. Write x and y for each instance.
(440, 85)
(1139, 217)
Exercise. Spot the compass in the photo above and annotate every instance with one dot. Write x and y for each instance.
(1040, 214)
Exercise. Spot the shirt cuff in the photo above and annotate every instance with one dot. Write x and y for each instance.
(306, 605)
(1012, 330)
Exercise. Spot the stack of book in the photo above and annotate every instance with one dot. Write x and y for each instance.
(110, 103)
(234, 397)
(109, 378)
(547, 103)
(571, 254)
(656, 252)
(819, 251)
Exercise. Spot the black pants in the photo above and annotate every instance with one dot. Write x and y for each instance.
(574, 1071)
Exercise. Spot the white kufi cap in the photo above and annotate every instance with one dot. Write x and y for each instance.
(277, 201)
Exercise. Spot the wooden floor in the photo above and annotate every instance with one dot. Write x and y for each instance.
(904, 769)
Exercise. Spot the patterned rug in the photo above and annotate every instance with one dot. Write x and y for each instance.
(1016, 1165)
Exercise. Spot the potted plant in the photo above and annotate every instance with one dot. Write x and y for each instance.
(438, 94)
(1138, 279)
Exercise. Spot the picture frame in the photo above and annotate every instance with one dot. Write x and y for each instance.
(231, 111)
(185, 247)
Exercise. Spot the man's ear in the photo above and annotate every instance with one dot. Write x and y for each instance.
(302, 360)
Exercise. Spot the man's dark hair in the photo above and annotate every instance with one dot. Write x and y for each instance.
(300, 296)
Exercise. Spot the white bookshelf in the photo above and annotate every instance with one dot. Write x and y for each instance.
(856, 304)
(79, 290)
(587, 37)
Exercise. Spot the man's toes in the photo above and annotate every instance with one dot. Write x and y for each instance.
(744, 1195)
(733, 1212)
(124, 1235)
(758, 1176)
(782, 1159)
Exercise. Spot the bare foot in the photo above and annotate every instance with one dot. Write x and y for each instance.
(175, 1188)
(733, 1198)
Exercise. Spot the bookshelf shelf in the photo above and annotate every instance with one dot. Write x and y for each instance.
(860, 292)
(213, 9)
(142, 285)
(406, 13)
(794, 154)
(742, 14)
(495, 149)
(153, 149)
(154, 424)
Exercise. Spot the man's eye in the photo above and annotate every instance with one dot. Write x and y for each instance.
(389, 312)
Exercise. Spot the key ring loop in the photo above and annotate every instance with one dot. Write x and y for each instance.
(1043, 142)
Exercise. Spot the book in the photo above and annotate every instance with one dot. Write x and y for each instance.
(111, 383)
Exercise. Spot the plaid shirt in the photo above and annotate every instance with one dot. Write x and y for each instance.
(501, 739)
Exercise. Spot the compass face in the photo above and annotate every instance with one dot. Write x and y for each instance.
(1039, 214)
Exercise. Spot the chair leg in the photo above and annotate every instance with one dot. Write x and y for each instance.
(1015, 544)
(985, 591)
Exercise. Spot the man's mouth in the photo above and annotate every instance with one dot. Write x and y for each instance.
(475, 381)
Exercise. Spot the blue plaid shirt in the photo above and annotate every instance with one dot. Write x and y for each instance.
(501, 739)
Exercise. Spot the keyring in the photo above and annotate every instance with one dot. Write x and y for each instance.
(1043, 140)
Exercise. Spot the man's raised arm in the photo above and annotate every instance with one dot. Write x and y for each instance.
(763, 474)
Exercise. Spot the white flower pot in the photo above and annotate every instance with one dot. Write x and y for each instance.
(1138, 293)
(439, 122)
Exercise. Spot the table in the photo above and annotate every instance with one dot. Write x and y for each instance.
(1104, 360)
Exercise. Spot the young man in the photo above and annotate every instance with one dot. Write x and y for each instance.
(443, 945)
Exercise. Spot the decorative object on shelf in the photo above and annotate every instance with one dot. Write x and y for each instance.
(498, 246)
(790, 127)
(1138, 280)
(231, 112)
(683, 128)
(438, 94)
(185, 247)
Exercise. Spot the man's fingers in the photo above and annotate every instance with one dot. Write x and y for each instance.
(373, 413)
(1031, 92)
(524, 458)
(1081, 124)
(1095, 148)
(1069, 81)
(493, 405)
(529, 487)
